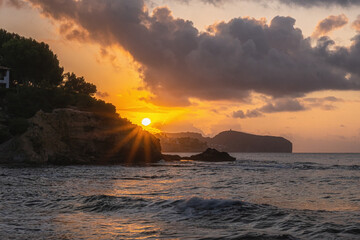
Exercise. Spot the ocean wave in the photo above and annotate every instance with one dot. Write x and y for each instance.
(108, 203)
(141, 178)
(264, 165)
(207, 204)
(103, 203)
(221, 213)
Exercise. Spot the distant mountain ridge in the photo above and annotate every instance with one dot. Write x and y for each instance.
(229, 141)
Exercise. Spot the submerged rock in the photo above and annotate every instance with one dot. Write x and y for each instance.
(211, 155)
(68, 136)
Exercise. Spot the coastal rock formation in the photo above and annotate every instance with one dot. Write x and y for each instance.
(69, 136)
(212, 155)
(209, 155)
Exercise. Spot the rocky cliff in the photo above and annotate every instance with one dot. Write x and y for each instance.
(69, 136)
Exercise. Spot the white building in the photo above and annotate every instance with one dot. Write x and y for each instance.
(5, 76)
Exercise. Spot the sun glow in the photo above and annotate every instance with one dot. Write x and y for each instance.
(146, 121)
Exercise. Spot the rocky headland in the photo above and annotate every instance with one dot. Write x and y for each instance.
(69, 136)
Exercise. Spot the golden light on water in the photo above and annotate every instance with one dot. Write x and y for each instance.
(146, 121)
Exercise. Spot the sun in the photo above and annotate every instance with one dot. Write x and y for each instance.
(146, 121)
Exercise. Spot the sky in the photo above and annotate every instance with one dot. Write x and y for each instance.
(287, 68)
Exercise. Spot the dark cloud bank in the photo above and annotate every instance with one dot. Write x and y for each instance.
(311, 3)
(279, 105)
(303, 3)
(228, 61)
(289, 105)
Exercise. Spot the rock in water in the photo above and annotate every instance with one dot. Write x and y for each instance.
(68, 136)
(211, 155)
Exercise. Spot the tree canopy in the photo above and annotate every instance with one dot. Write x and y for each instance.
(38, 83)
(76, 84)
(32, 63)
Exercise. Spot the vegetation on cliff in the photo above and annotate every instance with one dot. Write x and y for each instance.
(38, 83)
(48, 116)
(32, 63)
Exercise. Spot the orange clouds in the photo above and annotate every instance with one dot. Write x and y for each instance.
(72, 32)
(356, 24)
(177, 62)
(330, 24)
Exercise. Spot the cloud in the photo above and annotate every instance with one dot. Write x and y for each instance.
(279, 105)
(330, 24)
(230, 61)
(102, 94)
(356, 24)
(322, 3)
(239, 114)
(328, 107)
(212, 2)
(325, 103)
(218, 3)
(108, 55)
(347, 59)
(14, 3)
(283, 105)
(72, 32)
(332, 99)
(324, 99)
(289, 105)
(302, 3)
(141, 109)
(249, 114)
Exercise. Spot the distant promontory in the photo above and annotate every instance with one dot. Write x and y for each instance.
(229, 141)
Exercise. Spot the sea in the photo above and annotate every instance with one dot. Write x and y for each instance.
(259, 196)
